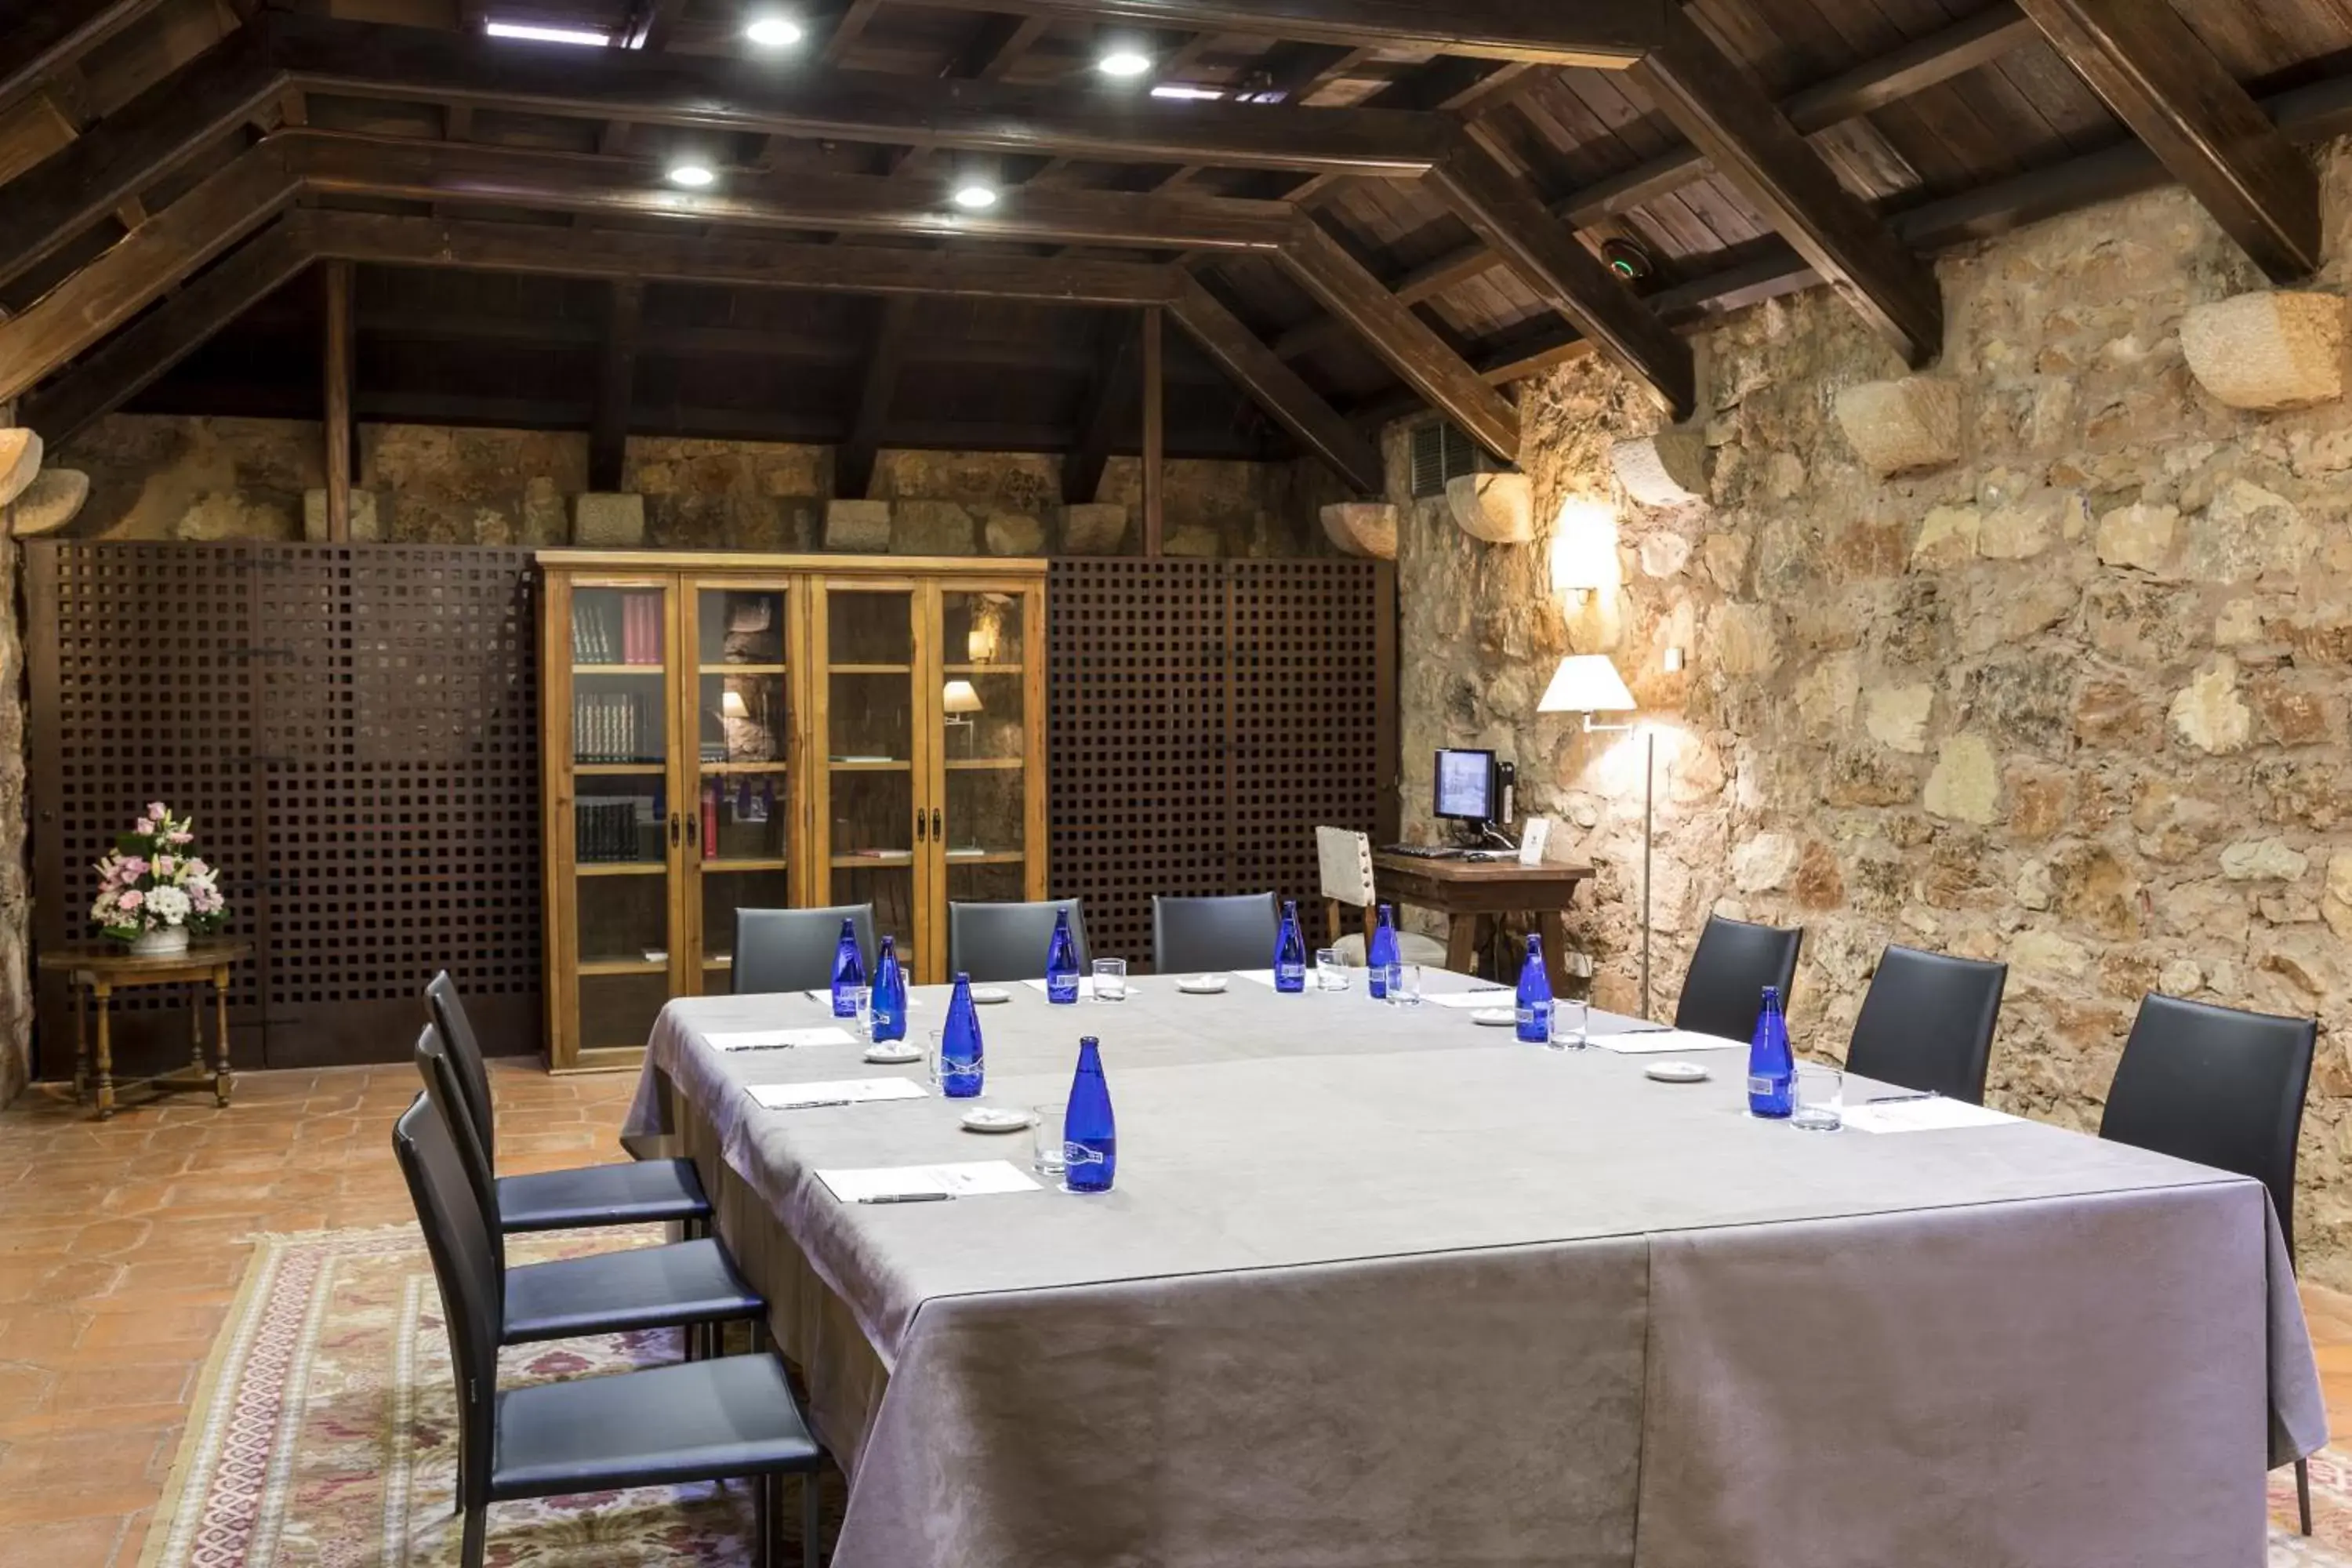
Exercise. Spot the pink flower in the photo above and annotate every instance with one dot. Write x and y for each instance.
(158, 810)
(182, 836)
(144, 827)
(133, 899)
(163, 864)
(133, 867)
(196, 867)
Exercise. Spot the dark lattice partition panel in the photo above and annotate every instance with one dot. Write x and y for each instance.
(377, 799)
(1203, 718)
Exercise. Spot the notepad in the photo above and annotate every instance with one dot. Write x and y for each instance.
(1484, 997)
(827, 998)
(1922, 1116)
(837, 1092)
(1665, 1042)
(778, 1039)
(964, 1178)
(1085, 987)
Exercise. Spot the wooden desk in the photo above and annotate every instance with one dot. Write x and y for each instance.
(100, 968)
(1471, 893)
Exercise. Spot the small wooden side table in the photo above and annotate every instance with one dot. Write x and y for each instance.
(1471, 893)
(98, 969)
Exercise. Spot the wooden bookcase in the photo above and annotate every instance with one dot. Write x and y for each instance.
(741, 732)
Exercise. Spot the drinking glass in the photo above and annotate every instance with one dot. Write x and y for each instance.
(1404, 985)
(1110, 980)
(1045, 1137)
(935, 1044)
(1330, 974)
(1821, 1098)
(1569, 1019)
(861, 1012)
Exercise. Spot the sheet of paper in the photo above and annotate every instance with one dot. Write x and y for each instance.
(1256, 977)
(1085, 987)
(1665, 1042)
(827, 998)
(837, 1092)
(965, 1179)
(777, 1039)
(1472, 1001)
(1922, 1116)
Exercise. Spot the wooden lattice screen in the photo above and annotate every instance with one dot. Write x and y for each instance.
(1205, 717)
(354, 729)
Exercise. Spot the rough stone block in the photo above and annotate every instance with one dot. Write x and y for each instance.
(1014, 533)
(1669, 468)
(1899, 425)
(1498, 507)
(1094, 528)
(2274, 349)
(604, 519)
(366, 516)
(932, 528)
(49, 502)
(860, 525)
(1362, 528)
(20, 459)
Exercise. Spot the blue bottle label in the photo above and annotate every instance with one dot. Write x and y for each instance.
(1061, 988)
(1534, 1021)
(1379, 986)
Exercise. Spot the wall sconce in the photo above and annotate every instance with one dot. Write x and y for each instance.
(1588, 683)
(1673, 660)
(1584, 548)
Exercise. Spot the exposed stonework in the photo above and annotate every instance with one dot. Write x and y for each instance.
(20, 461)
(367, 515)
(1895, 426)
(2076, 698)
(52, 501)
(1498, 507)
(2274, 349)
(1362, 528)
(1665, 469)
(1094, 528)
(860, 526)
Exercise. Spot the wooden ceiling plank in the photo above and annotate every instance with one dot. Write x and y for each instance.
(40, 36)
(885, 359)
(2163, 82)
(140, 355)
(1110, 404)
(617, 375)
(1745, 135)
(1405, 342)
(1274, 387)
(847, 30)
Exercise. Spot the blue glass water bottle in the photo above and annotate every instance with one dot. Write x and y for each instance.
(1062, 961)
(960, 1065)
(848, 972)
(1289, 952)
(1089, 1131)
(889, 996)
(1533, 1011)
(1381, 954)
(1771, 1066)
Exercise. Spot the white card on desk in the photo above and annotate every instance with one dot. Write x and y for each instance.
(826, 997)
(1665, 1042)
(839, 1092)
(1256, 977)
(1937, 1115)
(1484, 997)
(777, 1039)
(1085, 987)
(963, 1179)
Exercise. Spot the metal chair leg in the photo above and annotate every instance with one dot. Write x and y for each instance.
(2303, 1494)
(477, 1524)
(764, 1520)
(812, 1519)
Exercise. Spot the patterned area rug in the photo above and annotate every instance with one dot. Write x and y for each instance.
(324, 1436)
(324, 1432)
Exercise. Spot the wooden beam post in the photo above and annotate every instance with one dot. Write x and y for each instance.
(608, 431)
(1277, 388)
(1155, 435)
(1726, 116)
(1110, 398)
(2162, 81)
(337, 277)
(885, 359)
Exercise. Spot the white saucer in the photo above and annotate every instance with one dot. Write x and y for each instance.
(985, 993)
(994, 1119)
(1201, 984)
(894, 1053)
(1676, 1072)
(1496, 1017)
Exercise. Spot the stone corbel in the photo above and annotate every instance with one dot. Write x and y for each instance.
(1362, 528)
(1897, 427)
(20, 461)
(1667, 470)
(49, 502)
(2275, 349)
(1499, 508)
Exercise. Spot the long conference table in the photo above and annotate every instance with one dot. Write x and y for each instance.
(1382, 1286)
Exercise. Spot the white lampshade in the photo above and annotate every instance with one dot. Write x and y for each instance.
(1587, 683)
(732, 705)
(961, 698)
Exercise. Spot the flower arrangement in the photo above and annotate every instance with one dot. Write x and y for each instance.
(151, 890)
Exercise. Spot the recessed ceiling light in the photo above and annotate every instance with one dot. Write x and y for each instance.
(1180, 89)
(586, 38)
(1124, 62)
(694, 176)
(974, 196)
(774, 32)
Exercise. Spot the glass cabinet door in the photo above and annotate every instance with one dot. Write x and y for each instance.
(740, 815)
(866, 811)
(625, 825)
(988, 714)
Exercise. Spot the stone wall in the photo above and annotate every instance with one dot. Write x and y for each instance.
(15, 872)
(202, 477)
(2078, 701)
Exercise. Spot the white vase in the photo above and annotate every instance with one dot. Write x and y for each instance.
(159, 941)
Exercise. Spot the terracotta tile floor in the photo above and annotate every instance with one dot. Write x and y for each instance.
(122, 1251)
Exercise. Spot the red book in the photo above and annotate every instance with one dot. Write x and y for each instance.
(710, 821)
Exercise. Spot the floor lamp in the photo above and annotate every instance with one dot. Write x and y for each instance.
(1588, 683)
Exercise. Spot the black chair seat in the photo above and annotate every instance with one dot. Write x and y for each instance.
(612, 1292)
(733, 1416)
(641, 1192)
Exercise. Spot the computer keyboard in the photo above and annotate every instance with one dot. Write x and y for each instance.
(1446, 852)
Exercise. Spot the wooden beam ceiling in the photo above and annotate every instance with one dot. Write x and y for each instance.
(616, 378)
(39, 36)
(2163, 82)
(1108, 409)
(1608, 34)
(1277, 388)
(886, 356)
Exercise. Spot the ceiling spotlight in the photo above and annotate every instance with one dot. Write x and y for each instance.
(974, 196)
(773, 32)
(693, 176)
(1124, 61)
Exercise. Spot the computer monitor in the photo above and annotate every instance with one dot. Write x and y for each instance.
(1465, 791)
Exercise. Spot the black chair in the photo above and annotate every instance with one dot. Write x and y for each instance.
(1734, 963)
(1190, 935)
(2222, 1088)
(1926, 1023)
(643, 1192)
(993, 943)
(704, 1420)
(793, 950)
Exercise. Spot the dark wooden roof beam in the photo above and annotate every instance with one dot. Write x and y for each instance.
(885, 359)
(616, 375)
(38, 37)
(1277, 388)
(1108, 409)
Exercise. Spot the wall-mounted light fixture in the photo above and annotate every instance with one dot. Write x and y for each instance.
(1584, 548)
(1588, 683)
(1673, 660)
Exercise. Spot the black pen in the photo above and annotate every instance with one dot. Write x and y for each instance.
(1899, 1099)
(907, 1198)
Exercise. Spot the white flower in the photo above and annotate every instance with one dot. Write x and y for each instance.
(168, 905)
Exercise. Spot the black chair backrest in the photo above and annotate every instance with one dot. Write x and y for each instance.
(466, 1269)
(992, 942)
(1734, 963)
(1199, 934)
(2218, 1087)
(436, 1065)
(447, 1010)
(1926, 1023)
(793, 950)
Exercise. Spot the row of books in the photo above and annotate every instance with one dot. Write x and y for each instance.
(615, 727)
(625, 628)
(610, 829)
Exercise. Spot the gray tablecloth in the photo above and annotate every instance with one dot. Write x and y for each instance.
(1386, 1286)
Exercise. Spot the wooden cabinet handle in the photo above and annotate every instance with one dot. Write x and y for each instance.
(673, 829)
(939, 825)
(919, 825)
